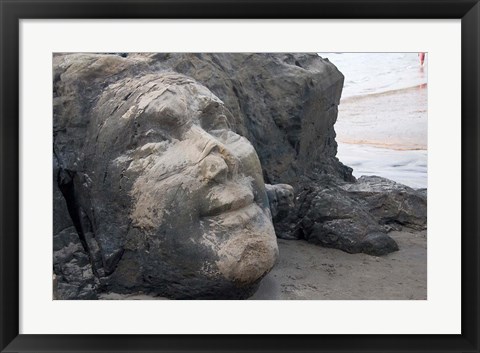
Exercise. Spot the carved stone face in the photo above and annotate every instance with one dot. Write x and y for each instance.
(192, 218)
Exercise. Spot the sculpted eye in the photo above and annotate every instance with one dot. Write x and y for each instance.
(220, 122)
(215, 122)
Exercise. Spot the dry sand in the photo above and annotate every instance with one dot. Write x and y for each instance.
(306, 271)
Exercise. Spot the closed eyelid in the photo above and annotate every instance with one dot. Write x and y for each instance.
(214, 122)
(222, 119)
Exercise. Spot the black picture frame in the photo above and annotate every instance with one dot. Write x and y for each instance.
(12, 11)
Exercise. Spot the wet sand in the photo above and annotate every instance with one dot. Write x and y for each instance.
(406, 167)
(306, 271)
(385, 134)
(395, 119)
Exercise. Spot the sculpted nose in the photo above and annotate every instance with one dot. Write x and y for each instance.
(216, 160)
(214, 167)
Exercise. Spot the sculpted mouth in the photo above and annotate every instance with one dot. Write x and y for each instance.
(226, 198)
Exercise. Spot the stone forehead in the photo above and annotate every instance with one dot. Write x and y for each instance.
(174, 94)
(177, 84)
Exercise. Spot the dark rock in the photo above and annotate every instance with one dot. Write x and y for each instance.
(74, 277)
(73, 274)
(391, 203)
(281, 199)
(378, 244)
(330, 217)
(282, 205)
(61, 217)
(422, 192)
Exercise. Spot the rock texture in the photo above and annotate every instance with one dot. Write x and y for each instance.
(74, 278)
(391, 203)
(329, 216)
(281, 200)
(282, 206)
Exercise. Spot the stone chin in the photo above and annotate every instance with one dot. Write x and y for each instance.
(245, 243)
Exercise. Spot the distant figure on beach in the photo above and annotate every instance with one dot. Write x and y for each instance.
(422, 58)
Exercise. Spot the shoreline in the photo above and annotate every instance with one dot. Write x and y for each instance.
(385, 134)
(349, 99)
(386, 146)
(397, 119)
(408, 167)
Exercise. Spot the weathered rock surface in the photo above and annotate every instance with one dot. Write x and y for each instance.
(391, 203)
(354, 217)
(282, 206)
(71, 262)
(281, 199)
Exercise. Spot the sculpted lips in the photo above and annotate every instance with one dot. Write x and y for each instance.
(226, 198)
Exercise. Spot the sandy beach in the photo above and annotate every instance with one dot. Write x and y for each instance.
(306, 271)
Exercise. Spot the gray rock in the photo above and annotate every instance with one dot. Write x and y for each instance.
(391, 203)
(281, 199)
(286, 105)
(378, 244)
(330, 217)
(74, 277)
(282, 205)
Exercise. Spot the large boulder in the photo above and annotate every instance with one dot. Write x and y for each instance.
(164, 197)
(330, 217)
(391, 203)
(354, 217)
(287, 105)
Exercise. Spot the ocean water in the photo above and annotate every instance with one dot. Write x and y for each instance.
(382, 121)
(370, 73)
